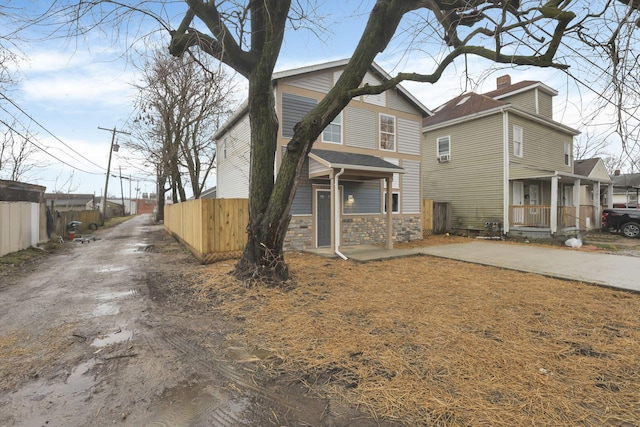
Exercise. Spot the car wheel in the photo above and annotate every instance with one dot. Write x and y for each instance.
(630, 229)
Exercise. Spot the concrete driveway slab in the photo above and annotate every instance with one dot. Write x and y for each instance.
(616, 271)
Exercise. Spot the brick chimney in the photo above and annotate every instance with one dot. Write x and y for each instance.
(616, 172)
(503, 81)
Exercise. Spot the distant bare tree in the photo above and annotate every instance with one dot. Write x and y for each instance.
(181, 103)
(587, 146)
(16, 152)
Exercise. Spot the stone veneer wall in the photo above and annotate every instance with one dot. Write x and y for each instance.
(356, 230)
(363, 230)
(299, 235)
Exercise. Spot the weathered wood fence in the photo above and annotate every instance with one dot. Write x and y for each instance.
(212, 229)
(436, 217)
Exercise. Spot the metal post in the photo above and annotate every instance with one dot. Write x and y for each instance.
(106, 183)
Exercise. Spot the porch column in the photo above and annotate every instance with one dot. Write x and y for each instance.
(596, 205)
(389, 181)
(554, 205)
(576, 201)
(333, 209)
(610, 195)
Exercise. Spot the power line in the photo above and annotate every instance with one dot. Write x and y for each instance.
(44, 150)
(50, 133)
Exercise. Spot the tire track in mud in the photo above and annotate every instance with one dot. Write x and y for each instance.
(240, 385)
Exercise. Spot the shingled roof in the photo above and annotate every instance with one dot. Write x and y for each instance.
(585, 166)
(462, 106)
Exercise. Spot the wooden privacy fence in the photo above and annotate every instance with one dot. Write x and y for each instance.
(85, 217)
(213, 229)
(436, 217)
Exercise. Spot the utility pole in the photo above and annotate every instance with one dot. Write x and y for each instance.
(112, 148)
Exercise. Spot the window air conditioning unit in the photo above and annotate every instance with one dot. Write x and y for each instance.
(443, 158)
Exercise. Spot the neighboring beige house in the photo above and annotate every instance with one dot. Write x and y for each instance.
(341, 198)
(626, 188)
(594, 169)
(504, 163)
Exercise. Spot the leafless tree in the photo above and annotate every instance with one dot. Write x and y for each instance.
(16, 152)
(181, 102)
(248, 35)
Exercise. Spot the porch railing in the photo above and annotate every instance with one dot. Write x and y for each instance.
(530, 215)
(540, 216)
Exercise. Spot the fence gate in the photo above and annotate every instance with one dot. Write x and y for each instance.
(441, 217)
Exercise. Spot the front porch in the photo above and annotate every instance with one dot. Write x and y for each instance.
(559, 203)
(536, 219)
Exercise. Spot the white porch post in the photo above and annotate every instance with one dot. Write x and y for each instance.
(554, 205)
(389, 181)
(333, 209)
(576, 201)
(610, 195)
(596, 205)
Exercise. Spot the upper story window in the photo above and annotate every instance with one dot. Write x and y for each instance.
(517, 141)
(567, 153)
(444, 149)
(333, 132)
(387, 132)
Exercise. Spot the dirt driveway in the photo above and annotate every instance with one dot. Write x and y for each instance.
(106, 333)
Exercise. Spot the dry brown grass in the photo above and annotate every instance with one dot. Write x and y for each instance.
(428, 341)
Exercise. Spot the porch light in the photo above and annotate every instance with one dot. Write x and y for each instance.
(350, 198)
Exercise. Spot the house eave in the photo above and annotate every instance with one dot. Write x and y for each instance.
(498, 110)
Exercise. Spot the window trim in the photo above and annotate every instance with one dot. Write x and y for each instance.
(567, 153)
(518, 153)
(384, 201)
(438, 153)
(341, 130)
(395, 132)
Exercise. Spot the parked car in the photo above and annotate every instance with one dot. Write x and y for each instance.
(624, 221)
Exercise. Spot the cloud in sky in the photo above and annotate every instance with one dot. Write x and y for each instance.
(74, 87)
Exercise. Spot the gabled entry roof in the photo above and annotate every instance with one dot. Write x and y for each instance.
(356, 166)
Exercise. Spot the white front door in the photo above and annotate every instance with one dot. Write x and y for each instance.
(518, 200)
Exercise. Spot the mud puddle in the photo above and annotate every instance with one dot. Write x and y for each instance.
(121, 335)
(197, 404)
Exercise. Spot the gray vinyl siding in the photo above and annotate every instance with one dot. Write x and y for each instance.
(472, 180)
(397, 102)
(543, 147)
(316, 82)
(233, 171)
(366, 195)
(302, 201)
(294, 108)
(411, 198)
(361, 128)
(409, 135)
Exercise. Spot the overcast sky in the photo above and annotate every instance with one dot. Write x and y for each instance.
(70, 88)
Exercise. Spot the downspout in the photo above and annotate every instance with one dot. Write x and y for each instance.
(505, 172)
(337, 225)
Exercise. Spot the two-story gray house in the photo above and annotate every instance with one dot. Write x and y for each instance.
(374, 144)
(504, 163)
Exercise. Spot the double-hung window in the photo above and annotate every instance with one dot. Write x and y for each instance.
(387, 132)
(567, 154)
(333, 132)
(517, 141)
(444, 148)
